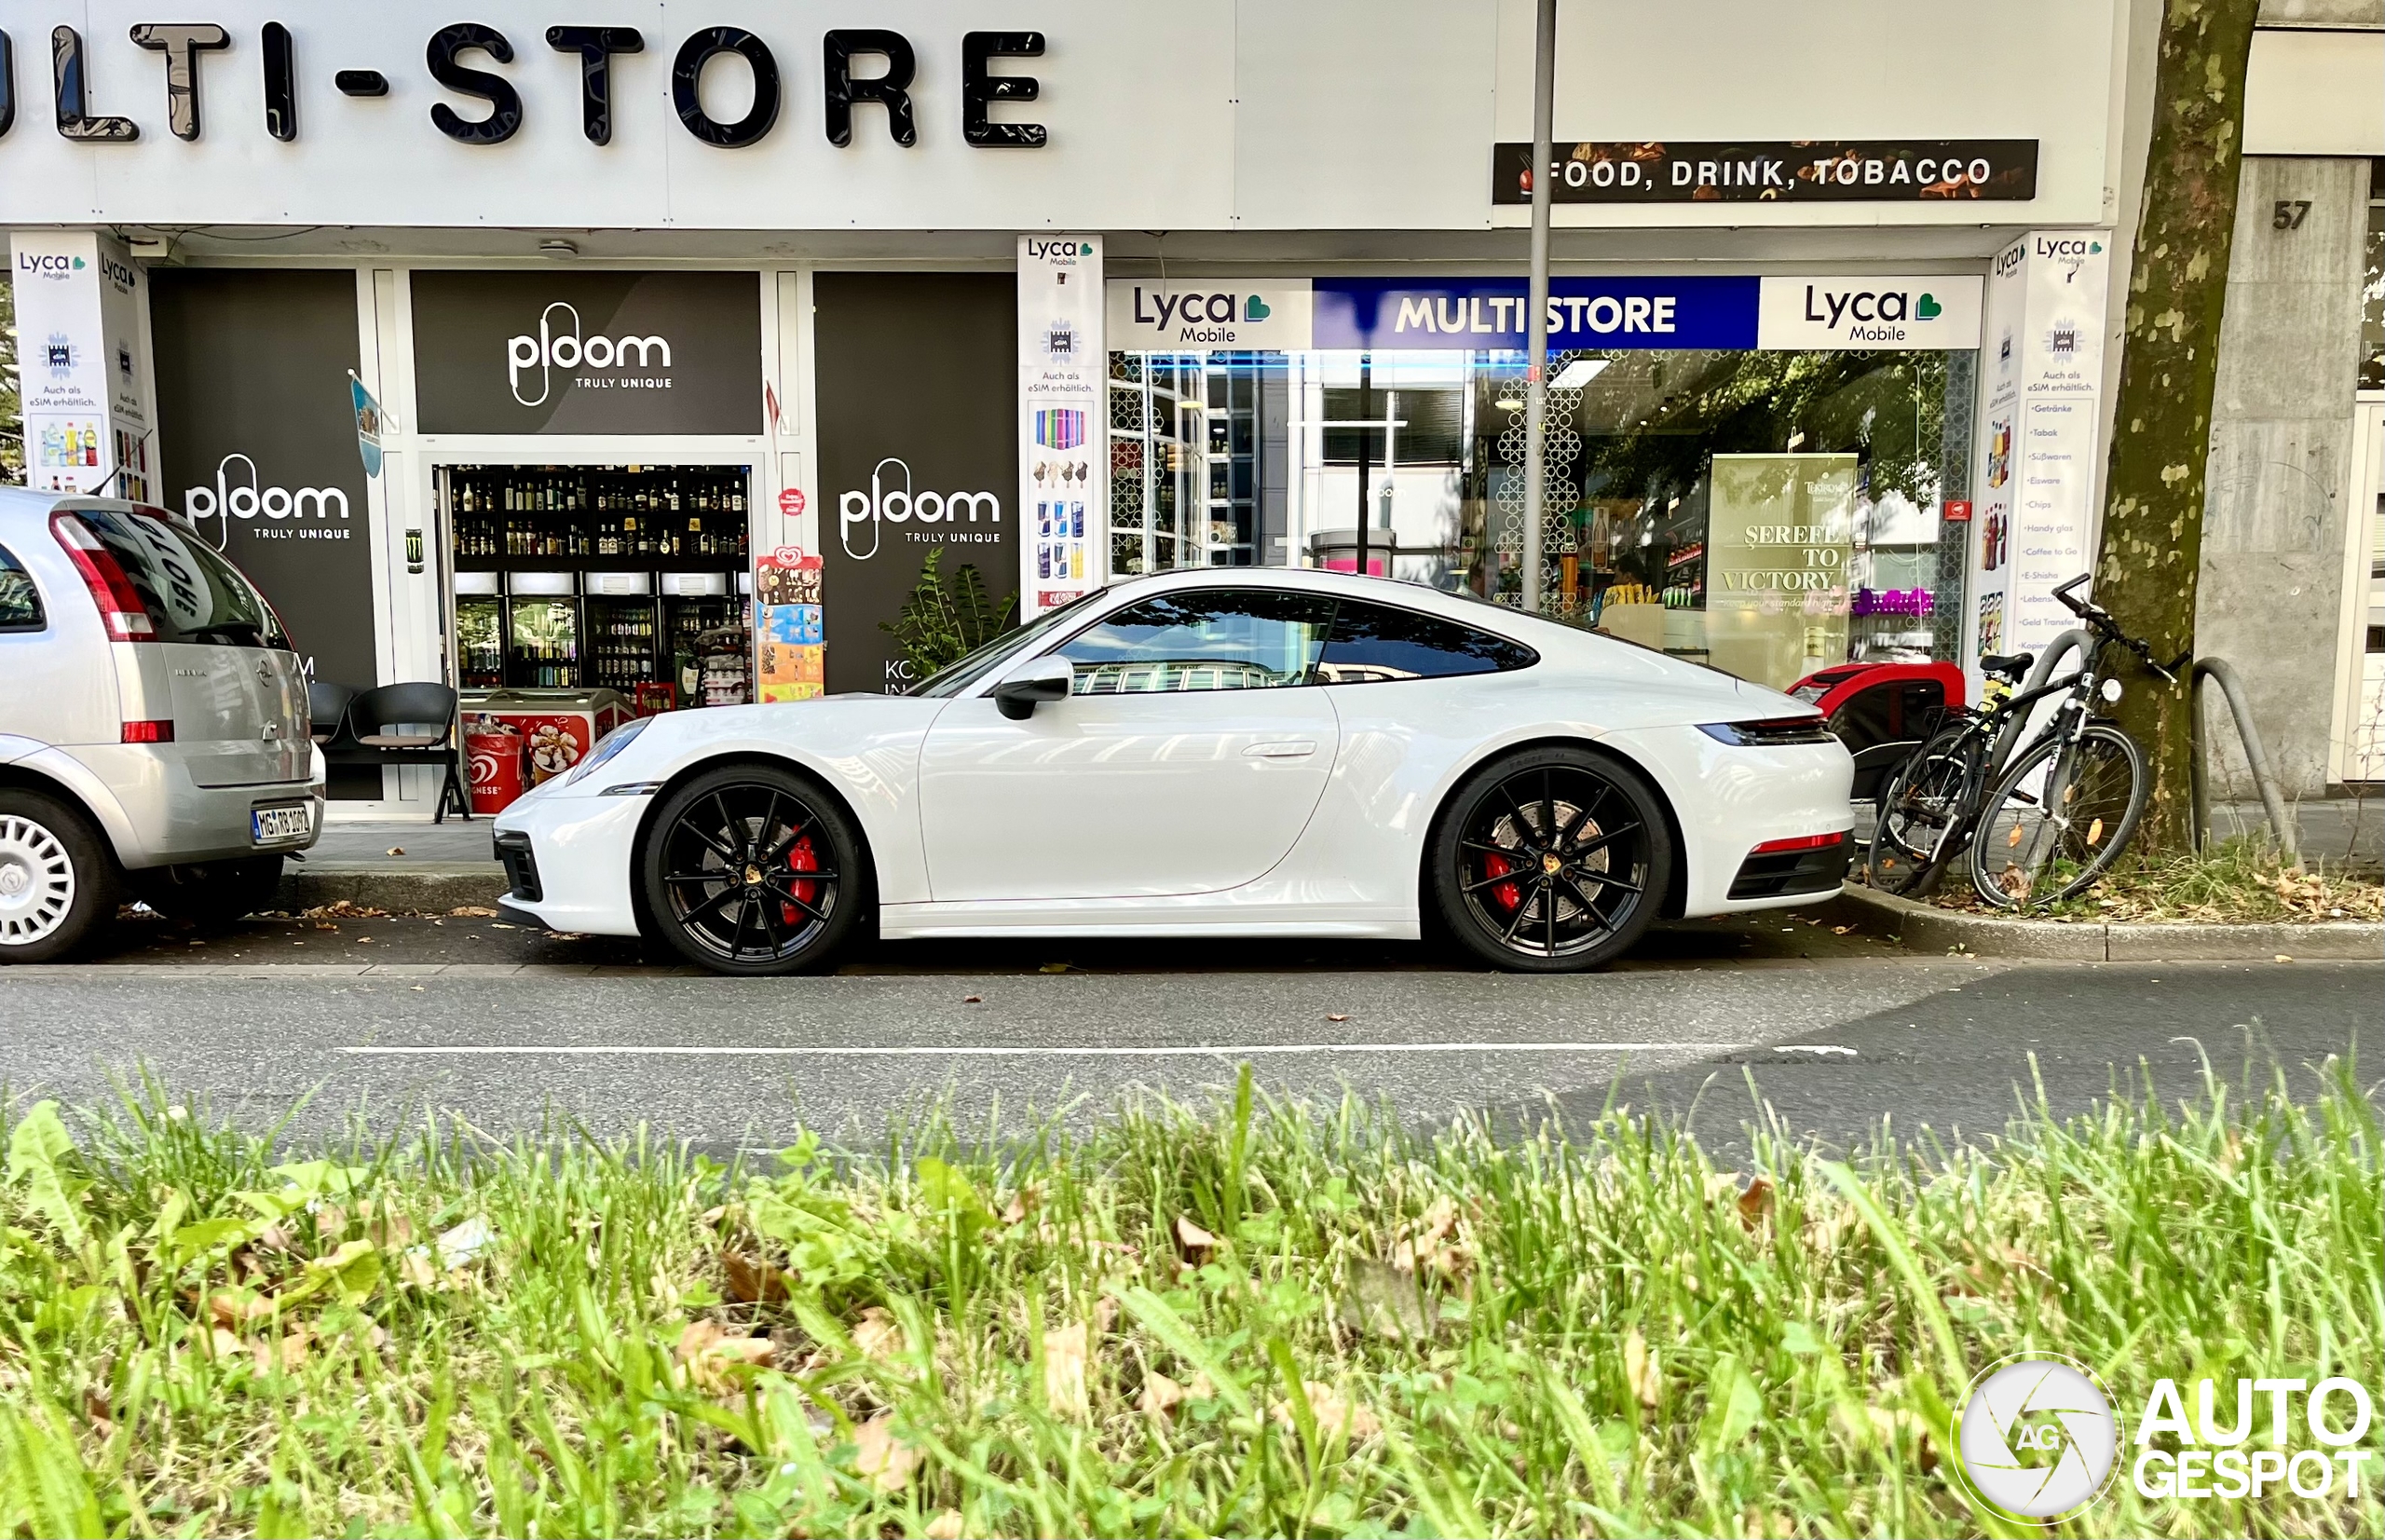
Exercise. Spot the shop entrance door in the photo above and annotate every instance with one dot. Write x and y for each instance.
(2363, 658)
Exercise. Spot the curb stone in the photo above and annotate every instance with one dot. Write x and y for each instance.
(1925, 927)
(429, 887)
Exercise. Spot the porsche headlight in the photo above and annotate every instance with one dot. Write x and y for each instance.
(611, 745)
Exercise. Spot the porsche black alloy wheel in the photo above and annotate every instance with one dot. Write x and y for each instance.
(750, 870)
(1552, 860)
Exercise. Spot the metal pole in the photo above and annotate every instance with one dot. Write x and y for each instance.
(1544, 106)
(1366, 416)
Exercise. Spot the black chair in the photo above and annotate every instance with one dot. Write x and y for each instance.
(327, 706)
(407, 724)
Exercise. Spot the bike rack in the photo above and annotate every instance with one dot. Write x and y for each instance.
(2256, 759)
(2077, 640)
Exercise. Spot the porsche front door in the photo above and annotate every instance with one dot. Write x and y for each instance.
(1188, 761)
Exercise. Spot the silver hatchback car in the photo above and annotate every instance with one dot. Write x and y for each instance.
(154, 738)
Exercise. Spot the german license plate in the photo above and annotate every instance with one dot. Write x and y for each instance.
(277, 825)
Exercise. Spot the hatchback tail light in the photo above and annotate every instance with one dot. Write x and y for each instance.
(120, 607)
(155, 731)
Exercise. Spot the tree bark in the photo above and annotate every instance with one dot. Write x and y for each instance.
(2152, 546)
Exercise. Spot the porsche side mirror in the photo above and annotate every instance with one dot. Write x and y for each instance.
(1049, 679)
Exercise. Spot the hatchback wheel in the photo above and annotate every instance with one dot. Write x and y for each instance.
(58, 884)
(751, 870)
(1551, 860)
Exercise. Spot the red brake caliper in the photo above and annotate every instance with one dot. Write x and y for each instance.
(1507, 894)
(800, 859)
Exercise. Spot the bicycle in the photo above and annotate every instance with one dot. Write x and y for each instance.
(2041, 826)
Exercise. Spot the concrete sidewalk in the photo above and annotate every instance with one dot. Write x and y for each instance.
(406, 867)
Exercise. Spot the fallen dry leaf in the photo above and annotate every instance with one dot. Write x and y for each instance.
(1023, 1203)
(708, 1351)
(878, 1334)
(288, 1353)
(1639, 1374)
(884, 1459)
(752, 1281)
(474, 911)
(1066, 1353)
(1160, 1397)
(415, 1271)
(2282, 956)
(1195, 1242)
(1755, 1201)
(225, 1344)
(330, 1222)
(972, 1000)
(947, 1525)
(397, 849)
(1337, 1018)
(1333, 1413)
(230, 1311)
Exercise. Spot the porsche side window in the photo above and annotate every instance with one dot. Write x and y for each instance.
(1203, 639)
(1373, 642)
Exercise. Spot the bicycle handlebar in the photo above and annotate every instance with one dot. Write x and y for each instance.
(2107, 628)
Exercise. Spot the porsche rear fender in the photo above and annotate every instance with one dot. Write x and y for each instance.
(1676, 897)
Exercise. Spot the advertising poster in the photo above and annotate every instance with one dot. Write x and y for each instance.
(2062, 370)
(2041, 362)
(918, 424)
(588, 352)
(78, 329)
(1063, 439)
(792, 631)
(1991, 537)
(258, 423)
(1782, 529)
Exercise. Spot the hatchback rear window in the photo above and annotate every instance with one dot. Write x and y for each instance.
(191, 593)
(20, 601)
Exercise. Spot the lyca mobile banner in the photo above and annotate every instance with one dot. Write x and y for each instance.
(1863, 312)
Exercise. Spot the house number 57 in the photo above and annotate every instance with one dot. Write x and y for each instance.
(2289, 214)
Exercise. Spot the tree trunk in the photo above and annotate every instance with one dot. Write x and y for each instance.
(2152, 550)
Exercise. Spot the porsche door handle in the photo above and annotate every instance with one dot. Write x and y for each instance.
(1298, 748)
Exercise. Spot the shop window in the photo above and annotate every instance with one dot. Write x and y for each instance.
(1375, 643)
(2372, 294)
(19, 602)
(1203, 641)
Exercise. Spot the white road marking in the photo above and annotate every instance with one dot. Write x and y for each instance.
(1024, 1051)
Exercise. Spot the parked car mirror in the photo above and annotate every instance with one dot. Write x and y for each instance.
(1047, 678)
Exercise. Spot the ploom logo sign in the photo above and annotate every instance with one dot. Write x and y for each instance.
(885, 503)
(2038, 1437)
(225, 501)
(548, 352)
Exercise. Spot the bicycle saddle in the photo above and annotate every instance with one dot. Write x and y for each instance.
(2011, 667)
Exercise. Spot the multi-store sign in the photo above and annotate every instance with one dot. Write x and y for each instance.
(448, 57)
(1935, 311)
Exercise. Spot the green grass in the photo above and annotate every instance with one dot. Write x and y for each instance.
(2242, 880)
(1368, 1331)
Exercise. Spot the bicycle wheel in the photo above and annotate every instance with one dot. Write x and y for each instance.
(2061, 814)
(1920, 810)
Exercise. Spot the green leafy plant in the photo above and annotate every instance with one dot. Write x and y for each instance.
(945, 619)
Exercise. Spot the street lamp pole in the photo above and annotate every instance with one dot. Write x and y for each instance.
(1543, 107)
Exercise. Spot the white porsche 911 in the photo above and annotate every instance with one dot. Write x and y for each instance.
(1228, 752)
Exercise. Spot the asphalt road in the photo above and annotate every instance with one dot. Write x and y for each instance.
(511, 1029)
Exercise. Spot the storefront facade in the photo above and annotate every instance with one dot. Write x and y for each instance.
(679, 333)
